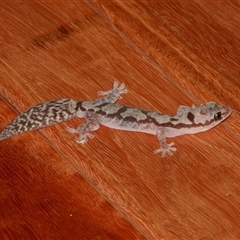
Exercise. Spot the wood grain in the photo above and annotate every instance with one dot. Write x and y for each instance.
(168, 53)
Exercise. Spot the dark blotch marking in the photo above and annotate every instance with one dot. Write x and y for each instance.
(190, 117)
(79, 106)
(130, 119)
(172, 125)
(173, 119)
(112, 115)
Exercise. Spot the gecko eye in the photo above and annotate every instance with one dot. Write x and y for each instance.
(217, 116)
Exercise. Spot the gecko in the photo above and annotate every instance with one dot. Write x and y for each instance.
(105, 111)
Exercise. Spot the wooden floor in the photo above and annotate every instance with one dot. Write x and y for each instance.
(168, 53)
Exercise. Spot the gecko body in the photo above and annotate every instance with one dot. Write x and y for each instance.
(104, 111)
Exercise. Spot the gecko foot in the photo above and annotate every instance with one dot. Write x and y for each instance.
(116, 91)
(166, 148)
(83, 136)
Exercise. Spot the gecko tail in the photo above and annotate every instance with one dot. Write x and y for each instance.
(40, 116)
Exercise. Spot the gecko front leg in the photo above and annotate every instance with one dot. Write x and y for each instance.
(83, 130)
(164, 147)
(112, 95)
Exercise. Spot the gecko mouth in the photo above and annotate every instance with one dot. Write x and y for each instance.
(226, 111)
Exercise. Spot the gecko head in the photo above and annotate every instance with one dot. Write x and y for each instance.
(209, 115)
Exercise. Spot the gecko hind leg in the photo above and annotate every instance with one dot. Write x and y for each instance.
(164, 147)
(83, 130)
(114, 94)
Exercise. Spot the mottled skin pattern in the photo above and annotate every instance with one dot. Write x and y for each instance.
(39, 116)
(105, 111)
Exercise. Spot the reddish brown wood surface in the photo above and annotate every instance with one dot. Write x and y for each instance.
(168, 53)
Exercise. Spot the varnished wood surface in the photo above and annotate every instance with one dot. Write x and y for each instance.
(168, 53)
